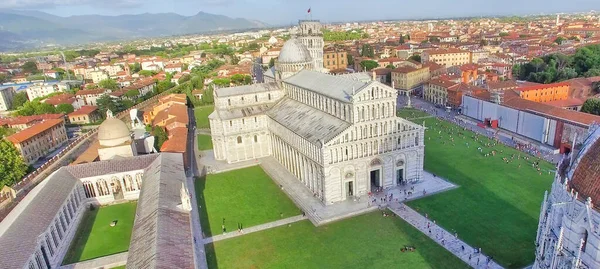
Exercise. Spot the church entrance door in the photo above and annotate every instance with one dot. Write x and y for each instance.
(400, 177)
(375, 176)
(349, 189)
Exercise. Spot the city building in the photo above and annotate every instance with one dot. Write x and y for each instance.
(436, 91)
(338, 135)
(84, 115)
(406, 78)
(455, 94)
(46, 88)
(115, 139)
(65, 98)
(568, 235)
(545, 92)
(98, 75)
(6, 97)
(447, 57)
(335, 59)
(89, 97)
(40, 139)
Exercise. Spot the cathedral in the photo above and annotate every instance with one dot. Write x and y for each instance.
(569, 228)
(339, 135)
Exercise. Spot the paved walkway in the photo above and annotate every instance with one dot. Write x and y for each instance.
(102, 262)
(444, 238)
(256, 228)
(207, 159)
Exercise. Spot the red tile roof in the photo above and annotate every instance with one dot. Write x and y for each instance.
(542, 86)
(84, 110)
(29, 119)
(60, 99)
(90, 91)
(33, 131)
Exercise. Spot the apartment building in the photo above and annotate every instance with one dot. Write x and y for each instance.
(447, 57)
(335, 59)
(43, 89)
(545, 92)
(436, 91)
(6, 97)
(84, 115)
(38, 140)
(408, 77)
(98, 75)
(88, 97)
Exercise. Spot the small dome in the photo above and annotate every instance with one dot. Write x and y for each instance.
(113, 132)
(294, 51)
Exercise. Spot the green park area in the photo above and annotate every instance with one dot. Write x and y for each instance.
(411, 113)
(204, 142)
(247, 196)
(96, 237)
(201, 114)
(497, 204)
(366, 241)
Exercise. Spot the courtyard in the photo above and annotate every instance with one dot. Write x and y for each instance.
(95, 237)
(201, 115)
(204, 142)
(498, 202)
(247, 196)
(366, 241)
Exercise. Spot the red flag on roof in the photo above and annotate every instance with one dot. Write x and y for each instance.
(308, 10)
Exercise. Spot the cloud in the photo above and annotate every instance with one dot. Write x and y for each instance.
(37, 4)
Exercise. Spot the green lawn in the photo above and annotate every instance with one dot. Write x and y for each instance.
(204, 142)
(366, 241)
(119, 267)
(411, 113)
(497, 204)
(246, 196)
(96, 238)
(201, 113)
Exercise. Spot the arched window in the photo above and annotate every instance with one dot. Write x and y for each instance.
(88, 189)
(584, 243)
(255, 138)
(239, 140)
(138, 180)
(128, 183)
(102, 187)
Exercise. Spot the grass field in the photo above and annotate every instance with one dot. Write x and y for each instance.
(497, 205)
(411, 113)
(246, 196)
(201, 114)
(204, 142)
(96, 238)
(366, 241)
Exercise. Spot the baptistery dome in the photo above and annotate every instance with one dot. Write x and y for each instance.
(294, 51)
(113, 132)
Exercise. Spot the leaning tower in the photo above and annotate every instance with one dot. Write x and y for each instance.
(311, 36)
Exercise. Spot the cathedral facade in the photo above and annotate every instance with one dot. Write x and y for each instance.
(569, 227)
(339, 135)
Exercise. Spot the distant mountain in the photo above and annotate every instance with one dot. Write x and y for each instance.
(34, 28)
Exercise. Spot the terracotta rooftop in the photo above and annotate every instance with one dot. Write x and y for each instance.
(89, 155)
(90, 91)
(29, 119)
(406, 69)
(542, 86)
(443, 83)
(84, 110)
(33, 130)
(445, 51)
(66, 98)
(177, 141)
(507, 84)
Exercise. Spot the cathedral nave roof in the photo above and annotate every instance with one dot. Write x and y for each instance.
(310, 123)
(247, 89)
(337, 87)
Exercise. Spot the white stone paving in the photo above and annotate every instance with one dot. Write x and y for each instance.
(444, 238)
(253, 229)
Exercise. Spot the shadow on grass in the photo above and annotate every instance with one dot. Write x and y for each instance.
(483, 219)
(81, 236)
(200, 185)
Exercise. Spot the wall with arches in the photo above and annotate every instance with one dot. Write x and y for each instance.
(106, 189)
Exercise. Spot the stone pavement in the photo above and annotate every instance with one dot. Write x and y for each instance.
(443, 238)
(207, 159)
(253, 229)
(102, 262)
(320, 214)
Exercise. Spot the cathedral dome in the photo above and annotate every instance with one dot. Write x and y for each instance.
(294, 51)
(585, 173)
(113, 132)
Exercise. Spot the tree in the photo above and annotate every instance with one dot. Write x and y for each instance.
(596, 87)
(203, 55)
(390, 66)
(591, 106)
(184, 78)
(19, 99)
(108, 83)
(160, 136)
(105, 102)
(235, 60)
(197, 82)
(30, 67)
(401, 41)
(132, 93)
(136, 67)
(559, 40)
(65, 108)
(271, 62)
(434, 39)
(35, 107)
(3, 77)
(12, 165)
(503, 34)
(367, 51)
(416, 58)
(223, 82)
(483, 43)
(350, 59)
(146, 73)
(594, 72)
(369, 64)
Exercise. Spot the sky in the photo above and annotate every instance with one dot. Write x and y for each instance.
(280, 12)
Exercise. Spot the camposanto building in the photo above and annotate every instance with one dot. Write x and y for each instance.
(339, 135)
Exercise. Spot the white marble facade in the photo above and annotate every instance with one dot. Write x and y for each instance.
(338, 135)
